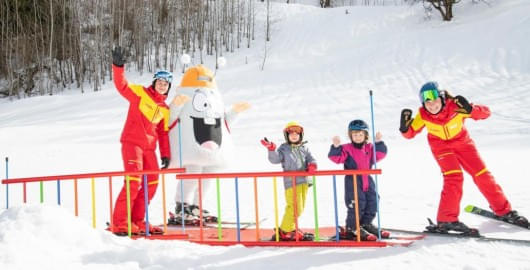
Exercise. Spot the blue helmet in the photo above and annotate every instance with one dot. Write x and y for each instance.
(163, 75)
(357, 124)
(429, 91)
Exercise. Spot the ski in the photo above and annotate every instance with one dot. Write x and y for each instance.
(489, 214)
(214, 224)
(391, 237)
(331, 241)
(459, 236)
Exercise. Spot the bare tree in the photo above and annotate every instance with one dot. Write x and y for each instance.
(46, 45)
(445, 7)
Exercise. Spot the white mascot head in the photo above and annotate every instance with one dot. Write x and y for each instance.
(204, 136)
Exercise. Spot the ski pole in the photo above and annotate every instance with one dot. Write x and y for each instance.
(7, 185)
(181, 180)
(375, 167)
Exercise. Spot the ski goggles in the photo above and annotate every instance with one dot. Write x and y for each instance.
(294, 129)
(164, 75)
(429, 95)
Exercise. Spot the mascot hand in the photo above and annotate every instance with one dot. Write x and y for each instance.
(269, 145)
(240, 106)
(180, 100)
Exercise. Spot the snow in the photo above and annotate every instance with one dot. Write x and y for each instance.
(320, 65)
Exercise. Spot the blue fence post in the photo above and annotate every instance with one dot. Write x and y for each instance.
(237, 212)
(181, 180)
(336, 208)
(58, 192)
(7, 185)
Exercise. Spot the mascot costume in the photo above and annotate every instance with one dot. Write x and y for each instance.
(200, 138)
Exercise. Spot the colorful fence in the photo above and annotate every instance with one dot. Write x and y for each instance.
(255, 176)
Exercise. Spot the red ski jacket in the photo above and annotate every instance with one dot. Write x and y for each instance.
(148, 115)
(446, 126)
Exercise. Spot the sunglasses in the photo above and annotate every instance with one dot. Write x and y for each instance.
(294, 130)
(430, 95)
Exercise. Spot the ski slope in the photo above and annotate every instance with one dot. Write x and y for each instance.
(319, 68)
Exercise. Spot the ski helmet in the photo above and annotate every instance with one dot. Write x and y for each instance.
(163, 75)
(429, 91)
(293, 126)
(357, 124)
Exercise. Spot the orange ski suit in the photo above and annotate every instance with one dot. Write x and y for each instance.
(454, 150)
(147, 123)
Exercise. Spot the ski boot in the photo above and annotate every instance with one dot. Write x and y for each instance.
(152, 229)
(195, 211)
(514, 218)
(350, 234)
(451, 227)
(373, 230)
(293, 236)
(189, 220)
(123, 229)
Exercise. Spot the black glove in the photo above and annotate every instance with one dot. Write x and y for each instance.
(165, 162)
(463, 104)
(118, 56)
(406, 119)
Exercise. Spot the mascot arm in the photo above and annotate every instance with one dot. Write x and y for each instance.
(232, 113)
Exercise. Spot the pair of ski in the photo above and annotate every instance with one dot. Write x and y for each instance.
(213, 223)
(473, 233)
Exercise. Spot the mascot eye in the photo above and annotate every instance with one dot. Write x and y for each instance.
(200, 102)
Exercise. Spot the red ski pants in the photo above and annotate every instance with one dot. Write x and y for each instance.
(451, 161)
(135, 159)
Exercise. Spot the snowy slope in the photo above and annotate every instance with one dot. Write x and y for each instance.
(320, 65)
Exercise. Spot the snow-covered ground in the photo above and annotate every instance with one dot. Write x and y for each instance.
(320, 66)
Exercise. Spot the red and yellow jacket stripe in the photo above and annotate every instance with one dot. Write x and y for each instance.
(148, 115)
(448, 125)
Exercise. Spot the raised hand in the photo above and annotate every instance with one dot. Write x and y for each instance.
(118, 56)
(463, 104)
(336, 141)
(378, 136)
(269, 145)
(406, 119)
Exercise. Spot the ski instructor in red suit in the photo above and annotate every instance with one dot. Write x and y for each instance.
(146, 124)
(443, 116)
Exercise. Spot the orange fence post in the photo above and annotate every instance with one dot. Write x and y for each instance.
(93, 191)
